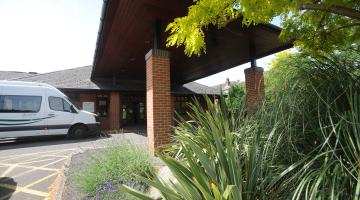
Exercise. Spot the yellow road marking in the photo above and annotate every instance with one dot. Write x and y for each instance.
(23, 189)
(43, 156)
(33, 158)
(37, 153)
(41, 180)
(38, 157)
(35, 161)
(29, 167)
(9, 169)
(31, 170)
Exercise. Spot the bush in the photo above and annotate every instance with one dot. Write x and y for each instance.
(235, 96)
(119, 164)
(303, 143)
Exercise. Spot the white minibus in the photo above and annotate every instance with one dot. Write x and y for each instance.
(36, 109)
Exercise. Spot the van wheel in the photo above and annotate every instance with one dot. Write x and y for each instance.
(78, 132)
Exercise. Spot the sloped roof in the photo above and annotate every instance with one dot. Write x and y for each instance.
(223, 86)
(76, 78)
(9, 75)
(79, 78)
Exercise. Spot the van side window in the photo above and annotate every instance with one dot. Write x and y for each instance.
(20, 104)
(59, 104)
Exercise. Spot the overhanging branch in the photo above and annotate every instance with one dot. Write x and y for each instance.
(348, 12)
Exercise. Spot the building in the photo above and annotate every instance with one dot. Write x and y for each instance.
(131, 45)
(133, 67)
(9, 75)
(224, 87)
(127, 109)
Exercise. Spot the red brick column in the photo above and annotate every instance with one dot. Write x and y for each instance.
(254, 80)
(114, 110)
(172, 105)
(158, 99)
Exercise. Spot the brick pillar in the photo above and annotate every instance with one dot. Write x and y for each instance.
(254, 80)
(114, 110)
(158, 99)
(172, 105)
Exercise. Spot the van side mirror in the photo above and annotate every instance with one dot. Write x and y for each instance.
(73, 110)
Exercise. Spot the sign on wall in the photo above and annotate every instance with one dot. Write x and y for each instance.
(89, 106)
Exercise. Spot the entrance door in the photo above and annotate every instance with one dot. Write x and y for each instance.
(134, 113)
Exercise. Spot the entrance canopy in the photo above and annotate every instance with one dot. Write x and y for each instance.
(128, 32)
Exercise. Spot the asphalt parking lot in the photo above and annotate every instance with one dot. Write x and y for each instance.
(31, 169)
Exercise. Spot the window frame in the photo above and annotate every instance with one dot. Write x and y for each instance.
(11, 111)
(63, 107)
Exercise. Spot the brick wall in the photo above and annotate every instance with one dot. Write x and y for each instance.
(254, 80)
(89, 97)
(158, 99)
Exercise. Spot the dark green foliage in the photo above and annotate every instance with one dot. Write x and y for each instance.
(304, 143)
(235, 95)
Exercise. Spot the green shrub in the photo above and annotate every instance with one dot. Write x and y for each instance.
(235, 96)
(303, 143)
(118, 164)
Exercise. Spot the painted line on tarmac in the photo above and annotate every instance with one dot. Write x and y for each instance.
(26, 188)
(41, 180)
(32, 170)
(37, 153)
(8, 170)
(23, 189)
(29, 167)
(35, 161)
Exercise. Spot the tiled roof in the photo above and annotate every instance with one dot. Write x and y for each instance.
(79, 78)
(9, 75)
(76, 78)
(223, 86)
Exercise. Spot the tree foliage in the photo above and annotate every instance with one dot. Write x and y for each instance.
(318, 25)
(234, 99)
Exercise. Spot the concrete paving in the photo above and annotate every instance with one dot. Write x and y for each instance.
(29, 169)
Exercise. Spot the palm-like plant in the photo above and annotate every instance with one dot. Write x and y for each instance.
(212, 162)
(304, 143)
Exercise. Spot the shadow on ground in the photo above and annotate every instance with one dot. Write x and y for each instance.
(7, 187)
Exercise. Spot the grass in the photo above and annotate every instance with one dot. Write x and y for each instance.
(119, 164)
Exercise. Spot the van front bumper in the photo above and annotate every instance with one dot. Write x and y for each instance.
(94, 129)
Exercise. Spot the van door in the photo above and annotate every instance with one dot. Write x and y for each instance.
(60, 117)
(21, 114)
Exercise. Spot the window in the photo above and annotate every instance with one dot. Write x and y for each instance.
(59, 104)
(102, 105)
(67, 106)
(142, 110)
(20, 104)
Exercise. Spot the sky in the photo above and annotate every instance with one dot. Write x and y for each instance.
(50, 35)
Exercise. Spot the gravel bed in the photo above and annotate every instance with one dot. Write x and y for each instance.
(78, 161)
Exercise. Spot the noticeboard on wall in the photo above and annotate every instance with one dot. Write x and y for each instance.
(89, 106)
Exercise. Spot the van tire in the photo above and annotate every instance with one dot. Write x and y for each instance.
(78, 132)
